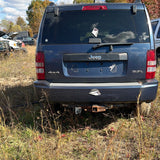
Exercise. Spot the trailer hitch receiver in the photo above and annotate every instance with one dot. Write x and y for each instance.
(97, 108)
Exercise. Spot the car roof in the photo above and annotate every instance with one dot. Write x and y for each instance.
(72, 7)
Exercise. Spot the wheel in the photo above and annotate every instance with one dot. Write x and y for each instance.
(12, 49)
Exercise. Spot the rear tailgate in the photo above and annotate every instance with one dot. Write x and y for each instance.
(123, 64)
(70, 37)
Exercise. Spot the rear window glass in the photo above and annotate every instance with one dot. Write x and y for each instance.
(158, 35)
(77, 27)
(154, 25)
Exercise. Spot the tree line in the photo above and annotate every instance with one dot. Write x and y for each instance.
(34, 15)
(36, 9)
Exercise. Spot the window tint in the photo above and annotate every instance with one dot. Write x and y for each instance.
(158, 34)
(111, 26)
(154, 25)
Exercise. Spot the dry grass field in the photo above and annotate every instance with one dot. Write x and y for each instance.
(30, 130)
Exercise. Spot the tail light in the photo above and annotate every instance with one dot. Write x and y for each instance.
(40, 70)
(151, 64)
(97, 7)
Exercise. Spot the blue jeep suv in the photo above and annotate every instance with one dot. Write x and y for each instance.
(99, 54)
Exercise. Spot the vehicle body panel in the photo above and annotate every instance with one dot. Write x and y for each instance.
(81, 72)
(57, 72)
(101, 93)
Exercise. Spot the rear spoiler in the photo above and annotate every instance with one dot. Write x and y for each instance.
(136, 1)
(52, 7)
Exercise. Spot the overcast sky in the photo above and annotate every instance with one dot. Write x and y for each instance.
(11, 9)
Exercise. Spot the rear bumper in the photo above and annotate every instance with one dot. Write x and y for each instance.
(98, 92)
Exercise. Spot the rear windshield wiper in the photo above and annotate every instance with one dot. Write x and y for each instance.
(110, 44)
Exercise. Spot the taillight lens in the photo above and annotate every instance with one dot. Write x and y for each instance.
(97, 7)
(40, 70)
(151, 64)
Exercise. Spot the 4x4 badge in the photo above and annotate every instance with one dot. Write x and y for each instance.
(95, 92)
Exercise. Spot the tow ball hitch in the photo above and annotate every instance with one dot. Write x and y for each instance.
(97, 108)
(93, 108)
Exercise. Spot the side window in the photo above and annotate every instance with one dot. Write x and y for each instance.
(158, 34)
(154, 25)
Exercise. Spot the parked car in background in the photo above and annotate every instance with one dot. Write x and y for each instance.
(25, 38)
(12, 43)
(35, 36)
(21, 35)
(29, 41)
(156, 31)
(15, 45)
(97, 55)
